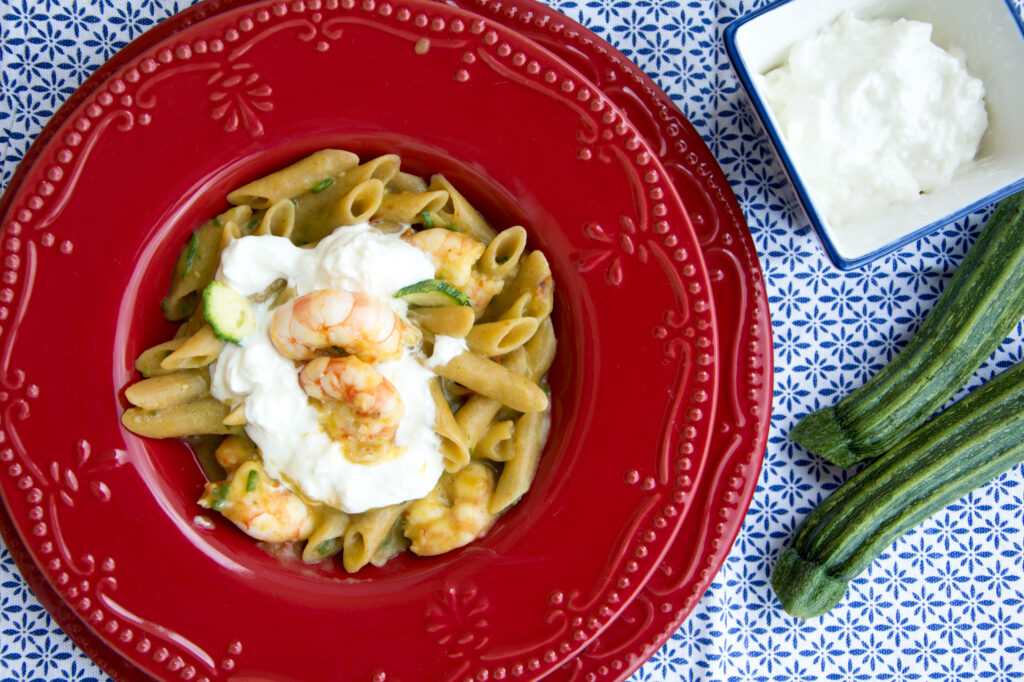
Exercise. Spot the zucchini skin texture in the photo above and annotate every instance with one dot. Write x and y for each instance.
(979, 307)
(969, 444)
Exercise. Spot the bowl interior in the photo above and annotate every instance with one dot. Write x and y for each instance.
(988, 33)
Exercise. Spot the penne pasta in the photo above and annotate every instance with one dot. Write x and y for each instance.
(496, 443)
(148, 362)
(327, 537)
(366, 533)
(503, 336)
(197, 264)
(198, 350)
(501, 257)
(296, 179)
(408, 207)
(384, 168)
(540, 350)
(198, 417)
(279, 220)
(450, 320)
(236, 417)
(489, 413)
(475, 417)
(459, 214)
(531, 430)
(359, 204)
(406, 182)
(165, 390)
(228, 233)
(534, 280)
(394, 543)
(454, 447)
(486, 377)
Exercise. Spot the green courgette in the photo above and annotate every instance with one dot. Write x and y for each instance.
(965, 446)
(230, 314)
(982, 303)
(432, 293)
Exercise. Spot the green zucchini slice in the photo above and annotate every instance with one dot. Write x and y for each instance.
(230, 314)
(432, 293)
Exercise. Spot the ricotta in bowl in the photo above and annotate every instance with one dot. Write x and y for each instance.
(874, 114)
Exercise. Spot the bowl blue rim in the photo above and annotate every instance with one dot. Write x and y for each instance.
(803, 196)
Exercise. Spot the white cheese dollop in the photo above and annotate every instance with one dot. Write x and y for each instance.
(281, 420)
(875, 114)
(445, 349)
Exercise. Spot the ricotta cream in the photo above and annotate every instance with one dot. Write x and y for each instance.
(874, 113)
(281, 420)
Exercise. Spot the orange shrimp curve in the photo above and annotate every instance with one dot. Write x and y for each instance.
(358, 323)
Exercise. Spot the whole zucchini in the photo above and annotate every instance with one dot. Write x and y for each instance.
(970, 443)
(981, 304)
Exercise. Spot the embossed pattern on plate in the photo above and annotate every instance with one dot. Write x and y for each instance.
(745, 381)
(223, 79)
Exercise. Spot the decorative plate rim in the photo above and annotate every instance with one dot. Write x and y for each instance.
(90, 107)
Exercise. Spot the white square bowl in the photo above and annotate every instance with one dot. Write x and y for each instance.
(991, 35)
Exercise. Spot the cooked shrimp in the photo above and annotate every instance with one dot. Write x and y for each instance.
(358, 323)
(260, 506)
(481, 289)
(454, 253)
(454, 513)
(370, 404)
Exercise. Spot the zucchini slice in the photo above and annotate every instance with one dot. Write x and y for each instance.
(980, 305)
(967, 445)
(432, 293)
(230, 314)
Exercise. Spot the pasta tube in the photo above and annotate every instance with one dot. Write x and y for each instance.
(532, 279)
(294, 180)
(454, 447)
(475, 417)
(531, 430)
(279, 220)
(408, 207)
(496, 443)
(326, 539)
(459, 213)
(406, 182)
(488, 378)
(451, 320)
(540, 350)
(198, 350)
(366, 533)
(161, 392)
(497, 338)
(501, 257)
(148, 362)
(359, 204)
(197, 264)
(198, 417)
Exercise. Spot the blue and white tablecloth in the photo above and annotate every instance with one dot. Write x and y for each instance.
(944, 603)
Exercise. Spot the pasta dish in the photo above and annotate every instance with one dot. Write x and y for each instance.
(362, 358)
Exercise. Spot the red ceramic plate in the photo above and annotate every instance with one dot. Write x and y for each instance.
(148, 148)
(723, 492)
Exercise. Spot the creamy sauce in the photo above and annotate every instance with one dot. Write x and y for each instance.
(281, 420)
(445, 349)
(875, 114)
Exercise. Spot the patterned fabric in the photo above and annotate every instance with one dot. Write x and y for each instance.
(946, 602)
